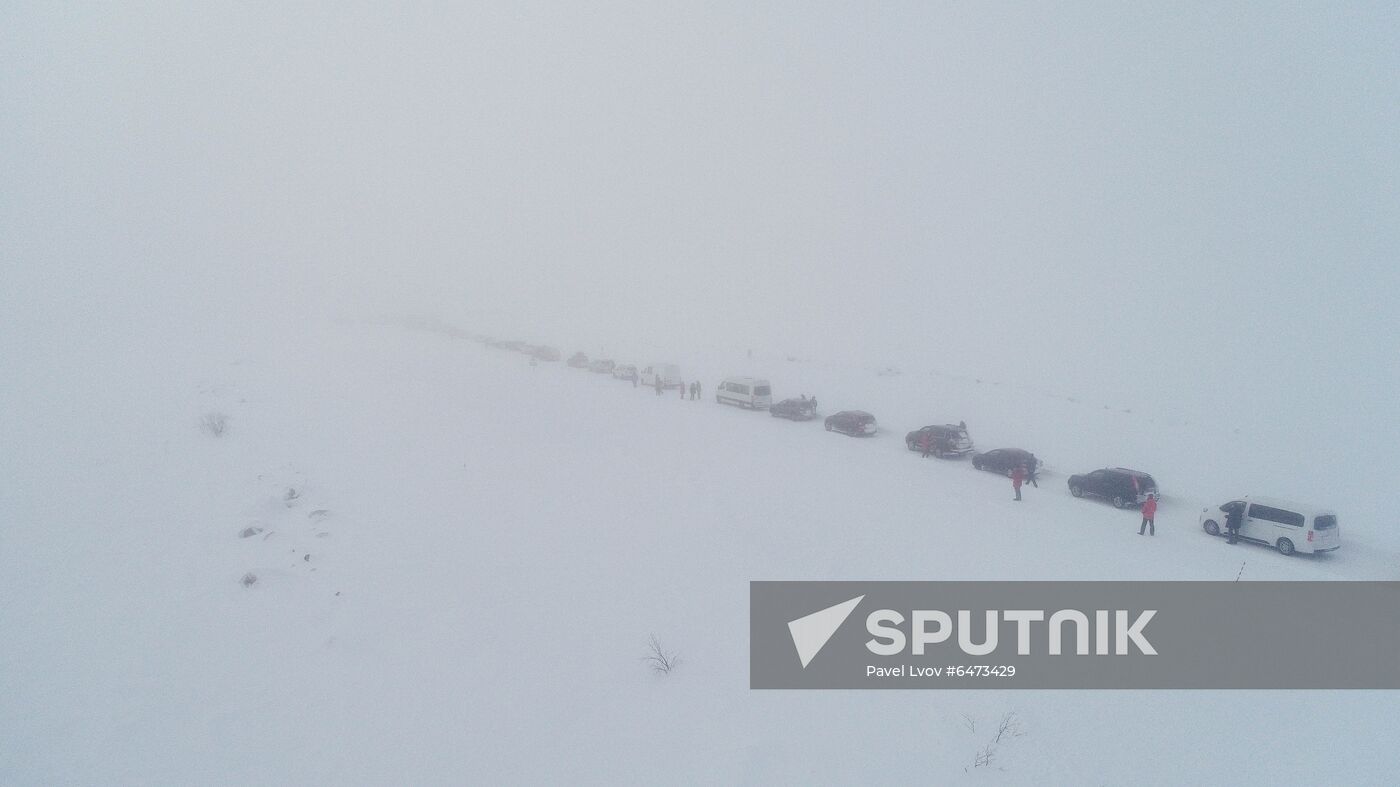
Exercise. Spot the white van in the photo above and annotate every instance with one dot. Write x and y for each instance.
(669, 373)
(1288, 527)
(750, 392)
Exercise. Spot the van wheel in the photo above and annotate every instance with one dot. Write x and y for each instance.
(1077, 491)
(1118, 501)
(1212, 527)
(1285, 547)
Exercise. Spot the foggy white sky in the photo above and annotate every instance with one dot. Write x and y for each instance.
(1153, 202)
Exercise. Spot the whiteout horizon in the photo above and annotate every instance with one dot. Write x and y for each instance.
(934, 626)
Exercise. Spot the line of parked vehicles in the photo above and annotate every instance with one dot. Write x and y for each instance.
(1286, 526)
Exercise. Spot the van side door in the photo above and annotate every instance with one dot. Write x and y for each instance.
(1269, 524)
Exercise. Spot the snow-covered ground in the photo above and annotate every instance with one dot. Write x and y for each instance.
(462, 586)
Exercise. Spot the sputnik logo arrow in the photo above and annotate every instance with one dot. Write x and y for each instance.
(810, 633)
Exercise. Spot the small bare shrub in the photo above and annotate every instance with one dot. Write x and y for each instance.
(1009, 727)
(214, 424)
(984, 757)
(249, 579)
(661, 660)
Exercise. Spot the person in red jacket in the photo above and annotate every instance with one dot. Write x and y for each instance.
(1149, 514)
(1018, 475)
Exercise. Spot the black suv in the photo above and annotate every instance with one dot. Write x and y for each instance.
(856, 423)
(795, 409)
(1119, 485)
(1004, 460)
(947, 440)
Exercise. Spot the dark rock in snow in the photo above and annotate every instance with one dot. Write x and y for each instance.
(249, 579)
(249, 532)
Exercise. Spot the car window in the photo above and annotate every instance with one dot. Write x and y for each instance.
(1325, 522)
(762, 390)
(1097, 475)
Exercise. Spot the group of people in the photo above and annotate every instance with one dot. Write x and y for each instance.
(691, 391)
(1022, 474)
(1234, 516)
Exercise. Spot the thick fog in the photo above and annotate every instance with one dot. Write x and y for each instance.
(1188, 206)
(254, 531)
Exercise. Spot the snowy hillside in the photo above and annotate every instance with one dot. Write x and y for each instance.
(410, 559)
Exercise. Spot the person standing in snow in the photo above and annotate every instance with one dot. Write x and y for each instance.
(634, 378)
(658, 384)
(926, 443)
(1233, 518)
(1149, 515)
(1018, 474)
(1031, 474)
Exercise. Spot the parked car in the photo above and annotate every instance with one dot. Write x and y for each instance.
(1285, 526)
(602, 366)
(750, 392)
(1004, 460)
(578, 361)
(856, 423)
(624, 371)
(948, 440)
(669, 373)
(1118, 485)
(546, 353)
(802, 409)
